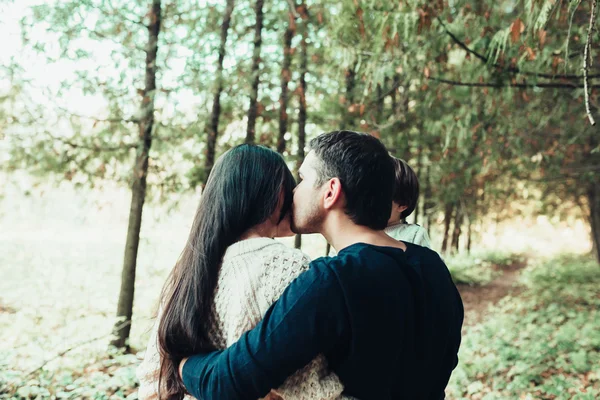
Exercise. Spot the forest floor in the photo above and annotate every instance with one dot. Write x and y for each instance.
(477, 299)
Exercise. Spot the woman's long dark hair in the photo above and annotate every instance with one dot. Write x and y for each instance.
(242, 191)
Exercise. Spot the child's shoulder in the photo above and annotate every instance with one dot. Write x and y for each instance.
(412, 233)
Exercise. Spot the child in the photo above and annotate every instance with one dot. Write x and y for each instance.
(406, 194)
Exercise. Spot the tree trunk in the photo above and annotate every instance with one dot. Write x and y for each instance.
(419, 179)
(447, 218)
(393, 93)
(285, 79)
(593, 196)
(253, 108)
(348, 120)
(458, 220)
(138, 189)
(213, 127)
(428, 204)
(380, 103)
(469, 234)
(302, 113)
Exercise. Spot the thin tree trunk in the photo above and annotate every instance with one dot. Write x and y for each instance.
(458, 220)
(593, 196)
(380, 103)
(138, 189)
(469, 234)
(302, 113)
(348, 120)
(213, 127)
(253, 108)
(447, 219)
(419, 179)
(285, 79)
(427, 203)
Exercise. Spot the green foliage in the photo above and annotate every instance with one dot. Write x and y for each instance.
(480, 267)
(87, 376)
(543, 343)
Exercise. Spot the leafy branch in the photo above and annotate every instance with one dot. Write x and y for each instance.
(512, 70)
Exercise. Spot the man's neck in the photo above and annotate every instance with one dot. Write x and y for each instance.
(341, 232)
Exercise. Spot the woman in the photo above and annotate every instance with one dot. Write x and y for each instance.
(229, 273)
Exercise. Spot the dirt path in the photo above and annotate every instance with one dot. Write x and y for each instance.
(477, 299)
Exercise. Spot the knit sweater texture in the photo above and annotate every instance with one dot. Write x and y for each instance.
(253, 274)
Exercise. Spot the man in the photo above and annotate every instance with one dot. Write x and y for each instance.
(385, 313)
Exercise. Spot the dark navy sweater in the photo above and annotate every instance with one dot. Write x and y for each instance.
(388, 322)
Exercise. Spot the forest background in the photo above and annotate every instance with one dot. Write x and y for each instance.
(113, 112)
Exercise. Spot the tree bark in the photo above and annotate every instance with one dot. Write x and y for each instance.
(428, 204)
(419, 179)
(138, 188)
(469, 234)
(253, 108)
(348, 120)
(447, 219)
(458, 221)
(593, 197)
(380, 103)
(302, 113)
(285, 79)
(213, 127)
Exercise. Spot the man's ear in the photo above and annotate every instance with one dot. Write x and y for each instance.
(333, 193)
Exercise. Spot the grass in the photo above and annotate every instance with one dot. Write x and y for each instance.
(543, 344)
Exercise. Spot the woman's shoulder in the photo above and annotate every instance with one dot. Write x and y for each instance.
(282, 252)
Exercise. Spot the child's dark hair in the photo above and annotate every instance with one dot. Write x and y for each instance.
(406, 187)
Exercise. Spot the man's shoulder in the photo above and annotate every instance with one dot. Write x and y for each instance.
(422, 251)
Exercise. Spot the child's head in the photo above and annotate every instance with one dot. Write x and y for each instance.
(406, 191)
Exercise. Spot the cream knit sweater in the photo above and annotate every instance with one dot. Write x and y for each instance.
(254, 273)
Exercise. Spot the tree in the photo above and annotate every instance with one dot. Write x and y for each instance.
(302, 112)
(138, 188)
(285, 79)
(213, 128)
(255, 73)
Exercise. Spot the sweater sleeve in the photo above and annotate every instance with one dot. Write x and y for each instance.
(148, 370)
(421, 237)
(315, 380)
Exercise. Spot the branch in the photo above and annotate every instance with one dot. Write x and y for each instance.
(92, 148)
(125, 120)
(292, 5)
(586, 58)
(545, 85)
(62, 353)
(513, 70)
